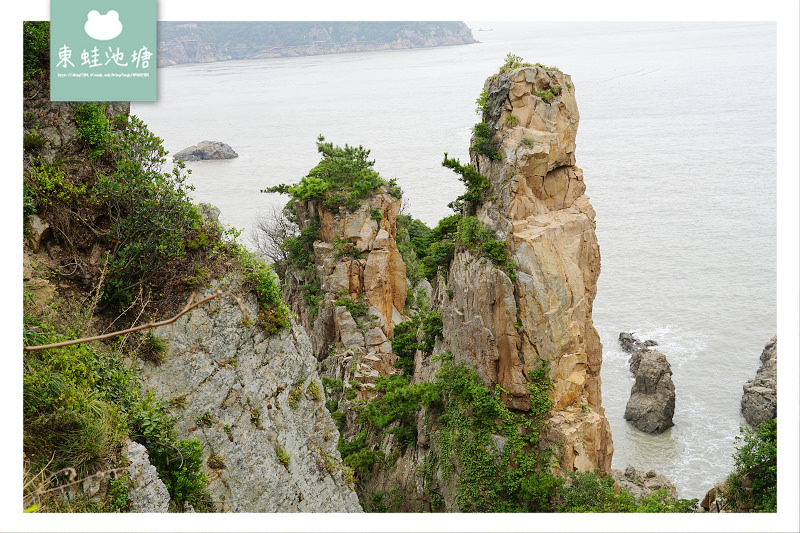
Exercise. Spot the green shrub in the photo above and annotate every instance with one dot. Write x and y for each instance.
(94, 127)
(274, 314)
(295, 396)
(313, 392)
(151, 212)
(404, 344)
(33, 142)
(341, 179)
(482, 242)
(756, 459)
(283, 457)
(431, 326)
(179, 462)
(48, 185)
(76, 402)
(474, 181)
(206, 420)
(518, 478)
(344, 248)
(357, 308)
(513, 62)
(484, 142)
(546, 95)
(593, 492)
(332, 385)
(35, 48)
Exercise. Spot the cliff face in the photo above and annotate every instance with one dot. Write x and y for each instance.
(503, 324)
(360, 271)
(256, 404)
(536, 204)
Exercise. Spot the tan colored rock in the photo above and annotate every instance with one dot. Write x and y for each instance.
(385, 284)
(38, 231)
(538, 205)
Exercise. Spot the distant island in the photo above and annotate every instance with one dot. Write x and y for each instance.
(208, 42)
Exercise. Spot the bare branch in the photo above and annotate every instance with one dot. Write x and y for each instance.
(189, 307)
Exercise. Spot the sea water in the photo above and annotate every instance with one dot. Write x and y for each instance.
(677, 141)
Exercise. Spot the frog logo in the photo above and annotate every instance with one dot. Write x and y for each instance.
(103, 27)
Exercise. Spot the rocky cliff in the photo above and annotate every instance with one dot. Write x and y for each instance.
(254, 400)
(760, 394)
(536, 203)
(504, 323)
(256, 404)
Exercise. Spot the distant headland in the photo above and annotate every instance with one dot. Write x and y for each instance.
(208, 42)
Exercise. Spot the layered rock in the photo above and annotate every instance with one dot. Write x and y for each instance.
(206, 150)
(256, 404)
(760, 396)
(652, 402)
(504, 327)
(356, 262)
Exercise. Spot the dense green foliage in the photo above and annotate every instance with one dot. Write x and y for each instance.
(485, 143)
(341, 179)
(475, 183)
(482, 242)
(35, 49)
(358, 456)
(94, 127)
(438, 246)
(153, 219)
(412, 243)
(273, 315)
(593, 492)
(756, 459)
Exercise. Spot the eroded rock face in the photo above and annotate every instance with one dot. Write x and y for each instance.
(231, 387)
(538, 205)
(206, 150)
(760, 396)
(356, 258)
(652, 402)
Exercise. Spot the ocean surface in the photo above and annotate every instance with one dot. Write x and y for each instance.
(677, 141)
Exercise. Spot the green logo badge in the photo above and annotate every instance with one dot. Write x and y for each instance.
(103, 50)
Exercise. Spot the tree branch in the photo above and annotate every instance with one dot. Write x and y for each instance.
(189, 307)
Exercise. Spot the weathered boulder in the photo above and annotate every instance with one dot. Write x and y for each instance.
(641, 484)
(760, 396)
(652, 402)
(205, 150)
(256, 403)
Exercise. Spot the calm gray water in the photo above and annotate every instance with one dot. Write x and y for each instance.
(678, 146)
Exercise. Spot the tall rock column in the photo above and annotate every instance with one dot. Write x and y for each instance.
(362, 288)
(538, 206)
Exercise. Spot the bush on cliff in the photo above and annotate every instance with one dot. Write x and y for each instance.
(754, 482)
(341, 179)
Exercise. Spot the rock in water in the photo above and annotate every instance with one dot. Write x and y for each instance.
(206, 150)
(652, 402)
(760, 396)
(632, 345)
